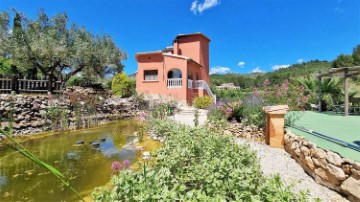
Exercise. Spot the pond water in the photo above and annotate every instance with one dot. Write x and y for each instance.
(86, 167)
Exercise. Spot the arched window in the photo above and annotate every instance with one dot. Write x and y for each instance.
(174, 74)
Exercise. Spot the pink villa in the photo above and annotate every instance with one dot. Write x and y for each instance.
(179, 72)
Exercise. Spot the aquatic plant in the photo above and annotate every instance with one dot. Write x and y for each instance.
(22, 150)
(142, 127)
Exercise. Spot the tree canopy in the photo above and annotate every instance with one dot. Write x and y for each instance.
(55, 48)
(348, 60)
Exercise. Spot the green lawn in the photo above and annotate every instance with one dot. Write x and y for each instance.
(334, 125)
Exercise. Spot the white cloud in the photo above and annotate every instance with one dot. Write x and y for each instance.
(197, 7)
(10, 31)
(276, 67)
(193, 6)
(220, 70)
(257, 70)
(300, 60)
(241, 64)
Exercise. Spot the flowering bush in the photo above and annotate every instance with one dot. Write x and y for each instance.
(196, 164)
(293, 96)
(116, 166)
(231, 111)
(203, 102)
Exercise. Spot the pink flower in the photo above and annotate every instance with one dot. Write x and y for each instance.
(126, 164)
(221, 108)
(116, 166)
(267, 82)
(229, 110)
(142, 116)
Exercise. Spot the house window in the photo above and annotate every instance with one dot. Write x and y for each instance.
(151, 75)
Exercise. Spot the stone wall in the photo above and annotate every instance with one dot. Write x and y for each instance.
(326, 167)
(28, 111)
(249, 132)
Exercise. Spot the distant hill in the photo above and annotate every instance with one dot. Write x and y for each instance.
(250, 80)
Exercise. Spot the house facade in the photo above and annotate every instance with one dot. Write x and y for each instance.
(179, 72)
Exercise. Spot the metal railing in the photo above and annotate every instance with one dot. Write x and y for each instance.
(174, 83)
(190, 83)
(201, 84)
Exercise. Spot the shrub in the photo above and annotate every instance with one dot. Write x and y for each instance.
(203, 102)
(84, 82)
(121, 85)
(196, 164)
(162, 110)
(139, 102)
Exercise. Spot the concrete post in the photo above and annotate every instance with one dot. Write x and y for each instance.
(275, 122)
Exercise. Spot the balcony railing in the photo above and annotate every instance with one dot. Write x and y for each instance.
(201, 84)
(190, 83)
(174, 83)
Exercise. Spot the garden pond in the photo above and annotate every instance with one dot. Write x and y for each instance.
(84, 165)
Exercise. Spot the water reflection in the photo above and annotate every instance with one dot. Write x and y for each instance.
(85, 166)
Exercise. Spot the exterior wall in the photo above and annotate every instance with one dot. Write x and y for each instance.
(197, 48)
(159, 87)
(326, 167)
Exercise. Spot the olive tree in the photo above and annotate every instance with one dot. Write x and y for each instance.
(57, 49)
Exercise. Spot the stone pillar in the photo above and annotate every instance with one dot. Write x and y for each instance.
(275, 121)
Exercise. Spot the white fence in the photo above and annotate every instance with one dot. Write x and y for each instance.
(190, 83)
(174, 83)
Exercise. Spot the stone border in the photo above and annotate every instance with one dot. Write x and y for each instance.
(326, 167)
(28, 112)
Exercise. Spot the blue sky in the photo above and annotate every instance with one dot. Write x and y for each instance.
(247, 35)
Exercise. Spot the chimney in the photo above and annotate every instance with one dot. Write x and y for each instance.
(176, 47)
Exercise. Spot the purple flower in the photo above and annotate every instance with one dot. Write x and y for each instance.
(126, 163)
(116, 166)
(266, 82)
(229, 110)
(142, 116)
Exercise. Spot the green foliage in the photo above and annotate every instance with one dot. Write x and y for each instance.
(229, 95)
(216, 120)
(343, 61)
(348, 60)
(356, 55)
(196, 164)
(161, 110)
(56, 48)
(254, 115)
(203, 102)
(5, 66)
(196, 118)
(57, 118)
(247, 82)
(122, 85)
(139, 102)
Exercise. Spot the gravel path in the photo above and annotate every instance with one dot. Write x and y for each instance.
(274, 160)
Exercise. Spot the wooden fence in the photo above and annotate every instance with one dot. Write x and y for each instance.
(14, 85)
